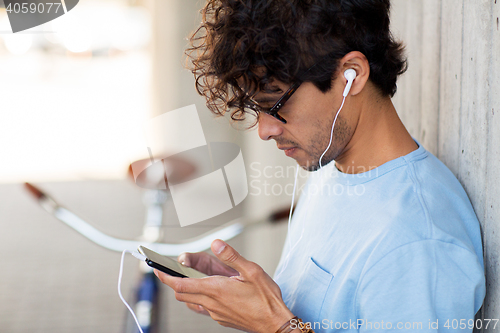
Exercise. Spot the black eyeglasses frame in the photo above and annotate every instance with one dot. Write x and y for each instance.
(273, 111)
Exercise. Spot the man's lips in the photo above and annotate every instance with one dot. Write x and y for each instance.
(288, 150)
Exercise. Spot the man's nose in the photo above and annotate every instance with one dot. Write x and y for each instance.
(269, 126)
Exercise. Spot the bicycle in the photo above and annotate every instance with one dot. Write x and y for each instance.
(148, 291)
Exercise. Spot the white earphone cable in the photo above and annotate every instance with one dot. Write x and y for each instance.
(293, 194)
(331, 133)
(291, 207)
(140, 257)
(289, 224)
(346, 92)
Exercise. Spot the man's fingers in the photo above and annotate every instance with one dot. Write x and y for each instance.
(184, 285)
(192, 259)
(184, 259)
(203, 300)
(231, 257)
(200, 261)
(197, 308)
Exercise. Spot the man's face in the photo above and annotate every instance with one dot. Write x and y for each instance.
(309, 114)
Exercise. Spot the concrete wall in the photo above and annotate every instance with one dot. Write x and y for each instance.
(450, 101)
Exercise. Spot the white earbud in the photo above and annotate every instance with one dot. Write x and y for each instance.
(350, 75)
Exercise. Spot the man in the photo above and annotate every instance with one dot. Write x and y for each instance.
(384, 236)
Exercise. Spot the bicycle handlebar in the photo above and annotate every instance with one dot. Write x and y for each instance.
(196, 244)
(116, 244)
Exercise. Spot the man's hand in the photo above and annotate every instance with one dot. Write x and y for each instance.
(207, 264)
(250, 301)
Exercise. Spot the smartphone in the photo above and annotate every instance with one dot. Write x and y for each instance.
(169, 266)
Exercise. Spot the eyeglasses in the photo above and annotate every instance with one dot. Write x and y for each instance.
(273, 111)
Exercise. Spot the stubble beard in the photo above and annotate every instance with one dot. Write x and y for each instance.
(341, 136)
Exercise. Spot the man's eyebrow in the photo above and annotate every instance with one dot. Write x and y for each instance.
(269, 98)
(264, 100)
(273, 89)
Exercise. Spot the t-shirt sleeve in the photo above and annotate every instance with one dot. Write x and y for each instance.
(422, 286)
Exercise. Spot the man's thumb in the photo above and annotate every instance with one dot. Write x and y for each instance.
(228, 255)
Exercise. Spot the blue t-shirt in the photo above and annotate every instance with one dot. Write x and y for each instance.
(396, 248)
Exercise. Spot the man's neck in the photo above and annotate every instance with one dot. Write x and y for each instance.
(379, 137)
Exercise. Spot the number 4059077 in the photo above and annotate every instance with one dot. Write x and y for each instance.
(471, 323)
(25, 7)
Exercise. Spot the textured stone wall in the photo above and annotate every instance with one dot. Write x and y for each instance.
(450, 101)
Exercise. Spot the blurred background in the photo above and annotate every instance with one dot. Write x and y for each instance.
(76, 91)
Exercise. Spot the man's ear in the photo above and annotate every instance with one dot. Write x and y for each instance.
(357, 61)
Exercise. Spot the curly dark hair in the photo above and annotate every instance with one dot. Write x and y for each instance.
(243, 45)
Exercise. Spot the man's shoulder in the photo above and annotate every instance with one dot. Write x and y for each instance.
(421, 200)
(437, 177)
(444, 202)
